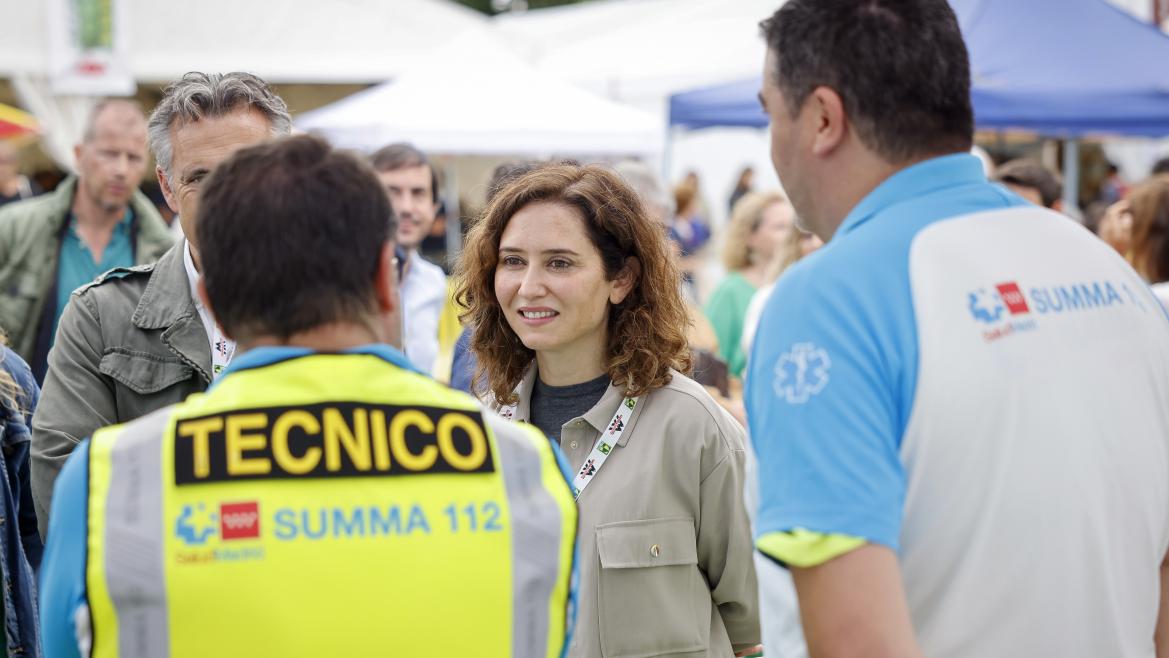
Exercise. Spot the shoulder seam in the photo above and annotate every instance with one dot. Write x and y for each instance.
(710, 414)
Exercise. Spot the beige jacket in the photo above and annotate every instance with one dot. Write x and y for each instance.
(665, 551)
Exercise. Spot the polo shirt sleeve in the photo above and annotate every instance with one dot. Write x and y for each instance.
(62, 576)
(826, 414)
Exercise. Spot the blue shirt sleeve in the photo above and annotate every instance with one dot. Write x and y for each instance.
(463, 363)
(827, 400)
(62, 586)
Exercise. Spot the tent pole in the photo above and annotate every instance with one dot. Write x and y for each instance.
(667, 156)
(1071, 178)
(454, 214)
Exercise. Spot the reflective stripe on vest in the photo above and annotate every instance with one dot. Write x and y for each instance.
(327, 505)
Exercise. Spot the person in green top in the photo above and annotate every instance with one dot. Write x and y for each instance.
(759, 224)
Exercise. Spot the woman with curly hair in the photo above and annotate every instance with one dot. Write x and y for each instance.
(580, 329)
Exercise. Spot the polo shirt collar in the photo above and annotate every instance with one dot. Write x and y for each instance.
(260, 357)
(122, 227)
(915, 180)
(602, 412)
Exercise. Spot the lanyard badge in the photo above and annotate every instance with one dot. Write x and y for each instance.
(603, 447)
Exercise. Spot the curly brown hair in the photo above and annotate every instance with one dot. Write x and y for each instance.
(646, 331)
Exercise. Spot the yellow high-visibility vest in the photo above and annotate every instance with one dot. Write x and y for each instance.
(327, 505)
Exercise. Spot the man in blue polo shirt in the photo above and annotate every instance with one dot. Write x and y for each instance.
(960, 403)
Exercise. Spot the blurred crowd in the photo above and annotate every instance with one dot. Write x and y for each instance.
(584, 294)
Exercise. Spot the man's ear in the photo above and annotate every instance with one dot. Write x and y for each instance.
(167, 192)
(626, 279)
(826, 109)
(385, 285)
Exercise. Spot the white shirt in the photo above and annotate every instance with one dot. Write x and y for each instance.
(222, 347)
(423, 295)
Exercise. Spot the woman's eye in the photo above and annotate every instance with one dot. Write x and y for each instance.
(512, 261)
(559, 264)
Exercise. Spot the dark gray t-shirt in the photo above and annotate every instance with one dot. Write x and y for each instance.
(553, 406)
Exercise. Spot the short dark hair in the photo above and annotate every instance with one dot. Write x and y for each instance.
(899, 66)
(290, 235)
(1161, 166)
(1031, 173)
(403, 156)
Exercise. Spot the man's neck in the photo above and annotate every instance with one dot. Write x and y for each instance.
(574, 365)
(851, 184)
(335, 337)
(89, 215)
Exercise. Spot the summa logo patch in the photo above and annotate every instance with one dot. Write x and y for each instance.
(1006, 309)
(196, 525)
(239, 520)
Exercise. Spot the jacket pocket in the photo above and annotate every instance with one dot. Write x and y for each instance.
(653, 600)
(143, 373)
(18, 303)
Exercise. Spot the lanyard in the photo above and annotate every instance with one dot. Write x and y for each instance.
(221, 352)
(601, 450)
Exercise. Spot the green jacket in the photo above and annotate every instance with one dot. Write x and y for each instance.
(128, 344)
(29, 245)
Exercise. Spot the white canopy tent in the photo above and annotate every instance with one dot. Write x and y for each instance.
(640, 51)
(302, 41)
(306, 41)
(477, 98)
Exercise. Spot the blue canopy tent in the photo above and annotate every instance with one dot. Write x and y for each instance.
(1057, 67)
(1061, 68)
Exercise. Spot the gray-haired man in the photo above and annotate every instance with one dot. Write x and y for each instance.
(137, 339)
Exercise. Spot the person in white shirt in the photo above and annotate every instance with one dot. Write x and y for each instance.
(412, 186)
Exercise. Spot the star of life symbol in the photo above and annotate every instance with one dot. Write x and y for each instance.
(985, 305)
(801, 373)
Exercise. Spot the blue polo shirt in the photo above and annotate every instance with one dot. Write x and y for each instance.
(979, 385)
(76, 265)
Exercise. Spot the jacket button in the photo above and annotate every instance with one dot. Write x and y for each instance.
(655, 550)
(573, 445)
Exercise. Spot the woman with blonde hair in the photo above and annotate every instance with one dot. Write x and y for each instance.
(580, 330)
(759, 224)
(796, 245)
